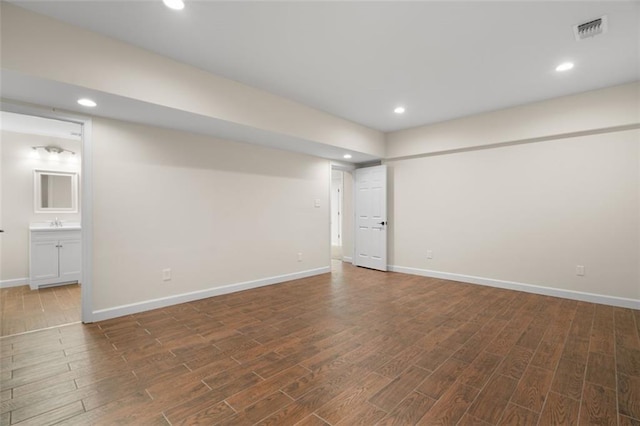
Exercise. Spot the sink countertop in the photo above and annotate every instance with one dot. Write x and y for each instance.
(46, 226)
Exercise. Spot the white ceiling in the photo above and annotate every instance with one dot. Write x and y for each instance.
(358, 60)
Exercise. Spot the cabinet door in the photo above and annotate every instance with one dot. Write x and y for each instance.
(70, 260)
(44, 260)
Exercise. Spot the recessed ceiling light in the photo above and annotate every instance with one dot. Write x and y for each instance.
(174, 4)
(347, 156)
(87, 102)
(565, 66)
(399, 110)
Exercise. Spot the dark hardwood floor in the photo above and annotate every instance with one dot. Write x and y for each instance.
(356, 347)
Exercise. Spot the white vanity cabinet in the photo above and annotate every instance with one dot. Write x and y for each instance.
(55, 256)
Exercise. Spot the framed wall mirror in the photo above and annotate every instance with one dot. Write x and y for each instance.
(55, 192)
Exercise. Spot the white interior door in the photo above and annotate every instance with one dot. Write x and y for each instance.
(371, 217)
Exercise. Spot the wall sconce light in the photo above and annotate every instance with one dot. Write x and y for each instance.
(53, 149)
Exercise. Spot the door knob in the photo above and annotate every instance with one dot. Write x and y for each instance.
(382, 223)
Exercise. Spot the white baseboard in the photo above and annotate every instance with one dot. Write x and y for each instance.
(17, 282)
(347, 259)
(528, 288)
(147, 305)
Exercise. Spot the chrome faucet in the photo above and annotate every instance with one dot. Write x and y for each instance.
(56, 223)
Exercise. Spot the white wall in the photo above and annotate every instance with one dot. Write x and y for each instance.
(17, 166)
(525, 213)
(612, 107)
(216, 212)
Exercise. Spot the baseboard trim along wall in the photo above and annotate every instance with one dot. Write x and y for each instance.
(347, 259)
(17, 282)
(528, 288)
(147, 305)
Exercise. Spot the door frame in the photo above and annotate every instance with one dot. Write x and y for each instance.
(86, 188)
(339, 201)
(349, 168)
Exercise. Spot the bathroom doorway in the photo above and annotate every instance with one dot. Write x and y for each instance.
(341, 202)
(337, 191)
(40, 215)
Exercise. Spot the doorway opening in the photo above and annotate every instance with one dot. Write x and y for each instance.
(341, 211)
(41, 250)
(337, 190)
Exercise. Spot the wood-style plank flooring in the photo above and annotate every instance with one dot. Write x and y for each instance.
(24, 309)
(356, 347)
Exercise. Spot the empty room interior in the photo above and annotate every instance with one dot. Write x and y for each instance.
(319, 213)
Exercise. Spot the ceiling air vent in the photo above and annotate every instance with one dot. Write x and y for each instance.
(591, 28)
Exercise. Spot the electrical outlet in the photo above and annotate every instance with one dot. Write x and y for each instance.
(166, 274)
(580, 270)
(429, 254)
(299, 257)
